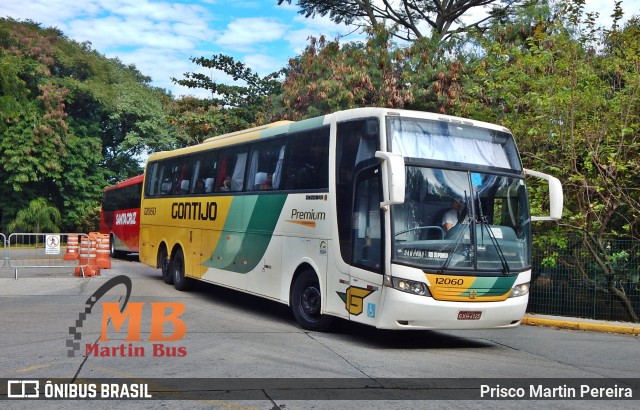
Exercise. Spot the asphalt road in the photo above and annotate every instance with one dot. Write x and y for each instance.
(239, 341)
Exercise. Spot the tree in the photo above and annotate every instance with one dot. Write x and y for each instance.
(329, 77)
(197, 119)
(410, 16)
(246, 103)
(114, 103)
(570, 92)
(39, 216)
(33, 130)
(71, 121)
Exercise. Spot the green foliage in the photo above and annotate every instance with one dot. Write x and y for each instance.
(38, 217)
(90, 221)
(71, 121)
(245, 103)
(570, 92)
(198, 119)
(574, 107)
(328, 76)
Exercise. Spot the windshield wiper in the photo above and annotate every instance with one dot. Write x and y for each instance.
(485, 223)
(452, 252)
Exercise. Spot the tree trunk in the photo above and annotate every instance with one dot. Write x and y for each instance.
(625, 301)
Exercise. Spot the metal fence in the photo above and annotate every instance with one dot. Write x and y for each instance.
(49, 251)
(3, 249)
(567, 280)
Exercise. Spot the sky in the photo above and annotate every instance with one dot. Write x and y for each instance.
(160, 36)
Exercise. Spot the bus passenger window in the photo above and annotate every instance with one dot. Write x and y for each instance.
(306, 161)
(231, 170)
(262, 181)
(151, 184)
(204, 171)
(265, 158)
(184, 186)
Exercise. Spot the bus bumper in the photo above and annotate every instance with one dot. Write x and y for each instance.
(402, 310)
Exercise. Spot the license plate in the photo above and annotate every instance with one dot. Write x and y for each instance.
(469, 315)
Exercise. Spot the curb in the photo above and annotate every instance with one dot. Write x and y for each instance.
(575, 325)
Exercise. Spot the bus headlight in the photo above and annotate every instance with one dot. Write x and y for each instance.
(409, 286)
(519, 290)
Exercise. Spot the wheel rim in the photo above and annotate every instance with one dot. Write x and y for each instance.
(177, 273)
(164, 264)
(310, 302)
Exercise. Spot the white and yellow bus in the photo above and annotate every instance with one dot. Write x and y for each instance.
(344, 216)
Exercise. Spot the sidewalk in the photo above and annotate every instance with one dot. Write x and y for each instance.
(582, 324)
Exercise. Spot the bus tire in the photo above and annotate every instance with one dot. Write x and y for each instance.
(306, 302)
(164, 265)
(112, 248)
(180, 282)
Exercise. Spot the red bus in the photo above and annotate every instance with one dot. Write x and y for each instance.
(120, 215)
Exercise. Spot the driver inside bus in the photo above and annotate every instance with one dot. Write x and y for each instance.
(454, 215)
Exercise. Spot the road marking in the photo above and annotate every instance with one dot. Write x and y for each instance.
(35, 367)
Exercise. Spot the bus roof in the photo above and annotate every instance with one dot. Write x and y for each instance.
(281, 127)
(247, 131)
(131, 181)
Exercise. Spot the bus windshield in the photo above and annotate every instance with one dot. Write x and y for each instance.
(453, 142)
(462, 220)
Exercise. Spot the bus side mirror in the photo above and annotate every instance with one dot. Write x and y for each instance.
(555, 196)
(394, 186)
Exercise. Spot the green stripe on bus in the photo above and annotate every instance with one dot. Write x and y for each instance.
(242, 251)
(293, 127)
(490, 286)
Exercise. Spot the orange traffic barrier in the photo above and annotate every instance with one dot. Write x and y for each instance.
(103, 260)
(93, 254)
(72, 248)
(83, 256)
(87, 257)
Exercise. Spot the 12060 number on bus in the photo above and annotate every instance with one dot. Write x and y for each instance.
(449, 281)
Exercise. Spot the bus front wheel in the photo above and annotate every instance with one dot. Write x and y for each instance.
(306, 301)
(180, 281)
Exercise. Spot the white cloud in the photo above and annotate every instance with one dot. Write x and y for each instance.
(114, 32)
(263, 64)
(161, 67)
(245, 33)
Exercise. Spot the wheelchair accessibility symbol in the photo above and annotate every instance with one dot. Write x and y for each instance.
(371, 310)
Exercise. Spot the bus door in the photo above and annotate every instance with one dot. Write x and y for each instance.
(364, 293)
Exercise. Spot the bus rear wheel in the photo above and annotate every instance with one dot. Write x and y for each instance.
(180, 281)
(306, 302)
(112, 248)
